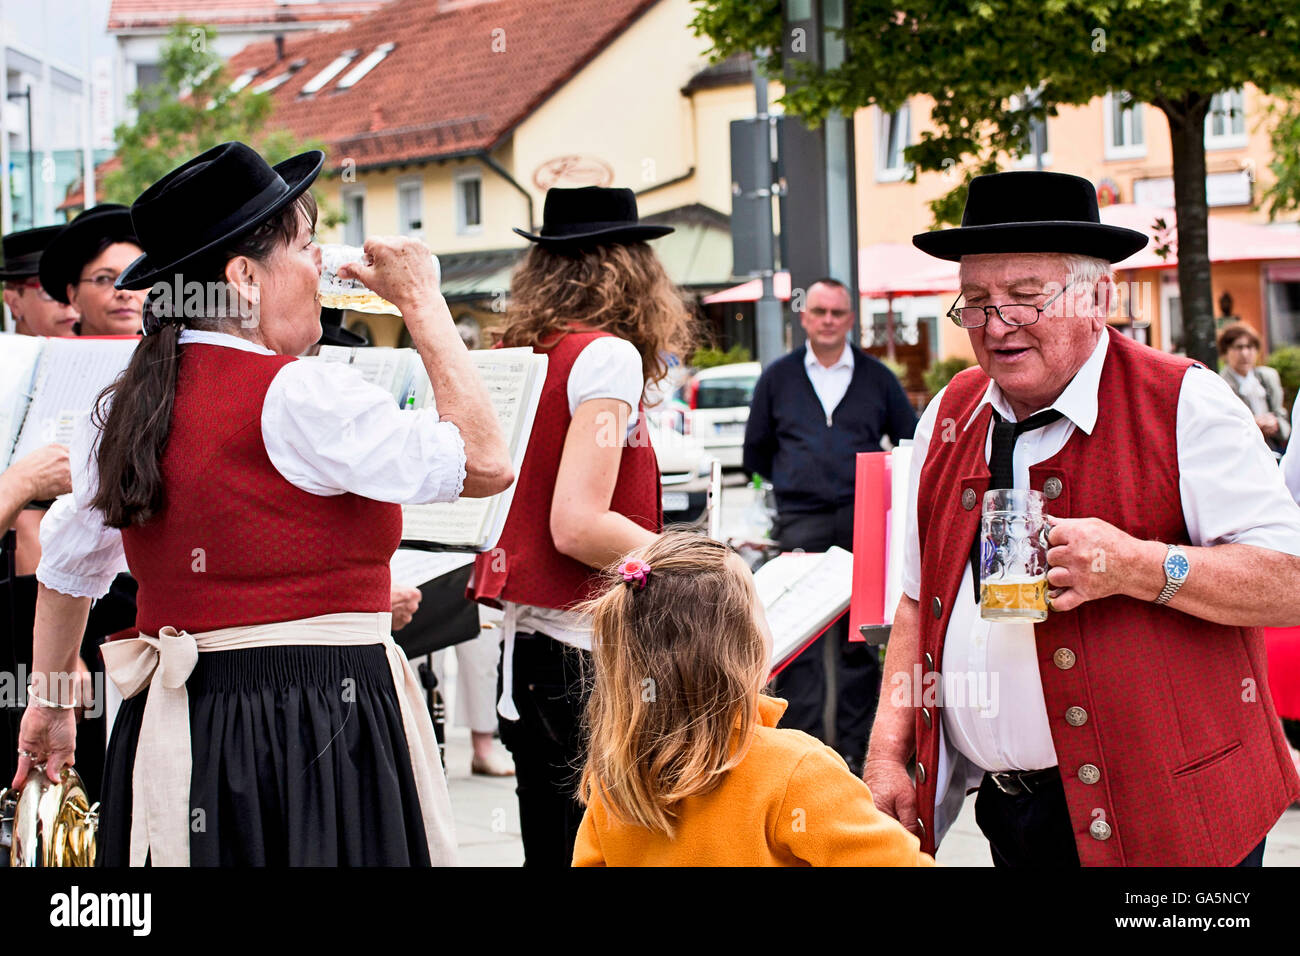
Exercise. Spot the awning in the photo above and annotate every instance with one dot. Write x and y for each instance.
(885, 270)
(1230, 239)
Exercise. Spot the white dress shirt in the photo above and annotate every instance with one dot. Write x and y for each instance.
(830, 383)
(1231, 490)
(327, 431)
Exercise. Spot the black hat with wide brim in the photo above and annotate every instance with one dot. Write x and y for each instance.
(1031, 211)
(78, 242)
(23, 252)
(215, 198)
(589, 216)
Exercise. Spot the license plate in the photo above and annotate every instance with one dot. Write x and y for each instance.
(676, 501)
(729, 429)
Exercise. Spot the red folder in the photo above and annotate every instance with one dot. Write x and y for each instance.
(871, 506)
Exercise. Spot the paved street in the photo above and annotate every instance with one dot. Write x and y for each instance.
(487, 813)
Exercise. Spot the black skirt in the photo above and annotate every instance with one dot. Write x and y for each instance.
(299, 759)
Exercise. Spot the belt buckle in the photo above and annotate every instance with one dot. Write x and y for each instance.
(1009, 783)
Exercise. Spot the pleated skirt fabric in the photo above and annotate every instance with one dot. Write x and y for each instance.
(299, 759)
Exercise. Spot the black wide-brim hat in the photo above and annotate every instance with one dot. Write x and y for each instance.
(78, 242)
(23, 252)
(1031, 211)
(591, 215)
(213, 199)
(332, 331)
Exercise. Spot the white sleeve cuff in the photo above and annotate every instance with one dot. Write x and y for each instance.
(75, 585)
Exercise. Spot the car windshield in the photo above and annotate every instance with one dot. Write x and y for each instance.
(725, 392)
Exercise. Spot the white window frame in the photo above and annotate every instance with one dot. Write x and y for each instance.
(1134, 126)
(346, 195)
(406, 184)
(462, 176)
(886, 173)
(333, 69)
(1230, 139)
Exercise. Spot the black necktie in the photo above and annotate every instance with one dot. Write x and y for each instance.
(1001, 474)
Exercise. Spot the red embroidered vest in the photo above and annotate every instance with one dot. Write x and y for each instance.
(1177, 717)
(235, 543)
(525, 567)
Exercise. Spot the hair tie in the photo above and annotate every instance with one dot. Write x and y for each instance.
(634, 570)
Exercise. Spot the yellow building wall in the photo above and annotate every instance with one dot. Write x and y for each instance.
(625, 109)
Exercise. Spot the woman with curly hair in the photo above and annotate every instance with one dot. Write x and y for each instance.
(593, 296)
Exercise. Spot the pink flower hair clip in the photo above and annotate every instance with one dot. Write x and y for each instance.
(634, 570)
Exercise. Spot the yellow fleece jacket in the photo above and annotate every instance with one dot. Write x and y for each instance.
(792, 801)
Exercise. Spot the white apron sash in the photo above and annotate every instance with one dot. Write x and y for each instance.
(160, 809)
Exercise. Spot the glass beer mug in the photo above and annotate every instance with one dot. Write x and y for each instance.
(1013, 556)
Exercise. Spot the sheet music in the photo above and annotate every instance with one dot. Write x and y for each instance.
(459, 523)
(414, 568)
(388, 368)
(69, 377)
(801, 594)
(900, 464)
(19, 355)
(514, 379)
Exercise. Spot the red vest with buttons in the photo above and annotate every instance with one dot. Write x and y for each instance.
(525, 566)
(235, 543)
(1177, 731)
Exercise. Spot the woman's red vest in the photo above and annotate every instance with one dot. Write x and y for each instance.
(235, 543)
(525, 567)
(1177, 717)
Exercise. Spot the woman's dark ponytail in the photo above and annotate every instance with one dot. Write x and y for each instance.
(133, 431)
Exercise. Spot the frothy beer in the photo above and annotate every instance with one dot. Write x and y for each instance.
(1014, 599)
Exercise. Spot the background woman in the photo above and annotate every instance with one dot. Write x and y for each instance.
(81, 265)
(592, 295)
(1259, 386)
(253, 496)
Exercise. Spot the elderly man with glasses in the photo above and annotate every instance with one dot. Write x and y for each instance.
(1134, 725)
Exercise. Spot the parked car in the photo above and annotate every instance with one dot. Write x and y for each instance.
(684, 468)
(717, 408)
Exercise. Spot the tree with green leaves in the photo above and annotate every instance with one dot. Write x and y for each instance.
(978, 60)
(192, 109)
(1284, 193)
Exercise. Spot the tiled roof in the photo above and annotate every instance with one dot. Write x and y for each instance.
(142, 14)
(462, 73)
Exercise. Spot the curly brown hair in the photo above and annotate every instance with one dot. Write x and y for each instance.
(617, 288)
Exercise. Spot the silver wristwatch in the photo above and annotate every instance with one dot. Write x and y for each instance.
(1176, 568)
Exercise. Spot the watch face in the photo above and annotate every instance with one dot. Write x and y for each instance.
(1176, 566)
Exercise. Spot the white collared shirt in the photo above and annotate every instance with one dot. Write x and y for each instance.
(1231, 490)
(327, 431)
(831, 383)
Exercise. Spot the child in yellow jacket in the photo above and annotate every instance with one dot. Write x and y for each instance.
(685, 763)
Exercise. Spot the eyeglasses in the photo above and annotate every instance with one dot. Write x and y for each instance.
(976, 316)
(101, 282)
(1243, 347)
(37, 289)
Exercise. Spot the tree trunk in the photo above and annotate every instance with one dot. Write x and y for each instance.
(1187, 138)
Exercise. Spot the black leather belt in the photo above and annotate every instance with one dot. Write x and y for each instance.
(1015, 782)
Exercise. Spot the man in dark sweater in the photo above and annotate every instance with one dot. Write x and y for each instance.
(812, 412)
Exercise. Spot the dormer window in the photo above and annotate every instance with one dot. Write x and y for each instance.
(365, 66)
(336, 66)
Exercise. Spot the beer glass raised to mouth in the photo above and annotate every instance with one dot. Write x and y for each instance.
(1013, 556)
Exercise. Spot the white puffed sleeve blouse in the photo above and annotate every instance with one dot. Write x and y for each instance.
(326, 430)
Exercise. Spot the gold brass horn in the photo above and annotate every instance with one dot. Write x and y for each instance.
(48, 824)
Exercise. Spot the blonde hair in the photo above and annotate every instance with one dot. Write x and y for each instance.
(678, 669)
(617, 288)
